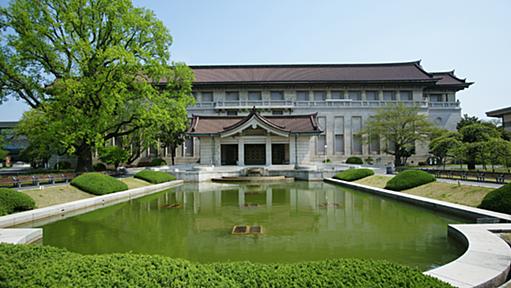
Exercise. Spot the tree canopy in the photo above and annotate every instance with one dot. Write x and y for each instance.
(91, 70)
(400, 127)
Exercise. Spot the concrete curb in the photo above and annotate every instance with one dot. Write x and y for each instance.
(487, 260)
(69, 209)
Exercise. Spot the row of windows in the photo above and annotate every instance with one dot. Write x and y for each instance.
(317, 95)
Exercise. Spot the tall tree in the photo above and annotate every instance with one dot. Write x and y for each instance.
(475, 137)
(467, 120)
(92, 69)
(401, 127)
(442, 147)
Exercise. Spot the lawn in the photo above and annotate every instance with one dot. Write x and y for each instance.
(56, 195)
(454, 193)
(67, 193)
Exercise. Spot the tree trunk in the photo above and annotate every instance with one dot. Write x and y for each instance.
(173, 154)
(84, 158)
(471, 165)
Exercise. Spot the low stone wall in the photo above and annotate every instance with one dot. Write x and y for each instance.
(65, 210)
(487, 260)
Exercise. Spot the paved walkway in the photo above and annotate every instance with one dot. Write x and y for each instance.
(470, 183)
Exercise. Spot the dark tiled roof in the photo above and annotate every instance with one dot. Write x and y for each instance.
(499, 112)
(310, 73)
(449, 79)
(207, 124)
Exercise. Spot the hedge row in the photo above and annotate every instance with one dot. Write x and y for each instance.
(409, 179)
(498, 200)
(354, 160)
(13, 201)
(155, 177)
(43, 266)
(354, 174)
(98, 183)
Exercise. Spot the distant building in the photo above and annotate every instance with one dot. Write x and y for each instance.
(341, 97)
(12, 144)
(504, 114)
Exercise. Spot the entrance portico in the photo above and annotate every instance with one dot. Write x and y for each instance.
(254, 139)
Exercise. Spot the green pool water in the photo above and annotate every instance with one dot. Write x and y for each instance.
(300, 221)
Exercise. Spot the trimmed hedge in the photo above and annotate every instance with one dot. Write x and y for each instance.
(98, 183)
(409, 179)
(99, 167)
(158, 162)
(354, 174)
(13, 201)
(498, 200)
(44, 266)
(354, 160)
(155, 177)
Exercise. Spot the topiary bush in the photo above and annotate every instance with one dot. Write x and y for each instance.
(354, 160)
(354, 174)
(155, 177)
(158, 162)
(99, 167)
(13, 201)
(498, 200)
(409, 179)
(45, 266)
(98, 183)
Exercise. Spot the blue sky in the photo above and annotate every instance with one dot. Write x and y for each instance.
(471, 37)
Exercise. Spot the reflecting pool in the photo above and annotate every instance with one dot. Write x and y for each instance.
(301, 221)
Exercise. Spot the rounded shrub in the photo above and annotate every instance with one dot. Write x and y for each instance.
(13, 201)
(498, 200)
(409, 179)
(45, 266)
(354, 174)
(99, 167)
(158, 162)
(155, 177)
(98, 183)
(354, 160)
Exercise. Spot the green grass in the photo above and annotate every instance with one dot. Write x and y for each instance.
(54, 195)
(155, 177)
(409, 179)
(134, 182)
(12, 201)
(44, 266)
(499, 200)
(98, 184)
(354, 174)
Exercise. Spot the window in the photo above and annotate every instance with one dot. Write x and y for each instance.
(338, 95)
(389, 95)
(254, 96)
(356, 143)
(207, 96)
(435, 97)
(374, 144)
(406, 95)
(339, 135)
(372, 96)
(194, 94)
(232, 96)
(232, 113)
(319, 95)
(188, 147)
(277, 95)
(302, 96)
(355, 95)
(277, 112)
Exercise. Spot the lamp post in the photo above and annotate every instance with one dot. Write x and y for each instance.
(325, 153)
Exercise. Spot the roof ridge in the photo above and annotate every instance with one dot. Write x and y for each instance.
(296, 65)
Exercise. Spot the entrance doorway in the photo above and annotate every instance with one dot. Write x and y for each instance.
(229, 154)
(255, 154)
(279, 154)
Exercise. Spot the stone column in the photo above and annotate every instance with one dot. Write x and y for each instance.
(241, 152)
(292, 150)
(268, 150)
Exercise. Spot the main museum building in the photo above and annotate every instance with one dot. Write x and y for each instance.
(301, 114)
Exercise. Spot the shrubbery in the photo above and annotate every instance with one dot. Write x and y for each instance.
(44, 266)
(63, 165)
(409, 179)
(13, 201)
(99, 167)
(155, 177)
(158, 162)
(98, 184)
(354, 174)
(354, 160)
(498, 200)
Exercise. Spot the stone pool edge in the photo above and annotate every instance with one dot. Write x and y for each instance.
(487, 260)
(30, 235)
